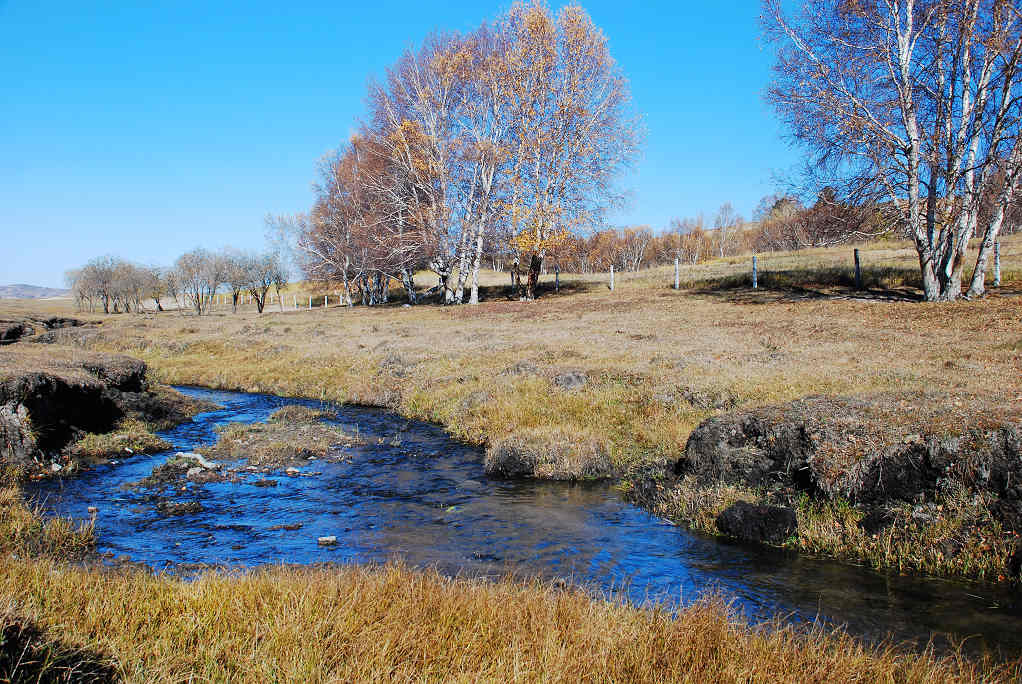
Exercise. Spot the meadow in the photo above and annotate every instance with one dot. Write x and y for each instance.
(628, 374)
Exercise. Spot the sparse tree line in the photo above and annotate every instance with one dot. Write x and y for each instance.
(114, 285)
(504, 141)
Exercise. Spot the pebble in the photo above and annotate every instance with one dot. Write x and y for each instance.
(293, 471)
(93, 510)
(327, 541)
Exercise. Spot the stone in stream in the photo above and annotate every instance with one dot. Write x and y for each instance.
(757, 523)
(327, 541)
(178, 508)
(198, 458)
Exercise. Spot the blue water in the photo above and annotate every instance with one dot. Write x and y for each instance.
(410, 492)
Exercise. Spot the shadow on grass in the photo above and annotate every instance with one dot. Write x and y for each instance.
(27, 654)
(891, 284)
(504, 293)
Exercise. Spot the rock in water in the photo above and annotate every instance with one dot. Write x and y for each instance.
(327, 541)
(198, 458)
(757, 523)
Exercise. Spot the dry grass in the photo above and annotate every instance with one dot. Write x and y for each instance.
(25, 533)
(657, 362)
(390, 623)
(551, 454)
(296, 413)
(276, 444)
(130, 437)
(955, 535)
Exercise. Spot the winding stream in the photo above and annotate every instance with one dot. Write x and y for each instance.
(411, 492)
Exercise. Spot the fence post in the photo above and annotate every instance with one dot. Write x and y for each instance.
(677, 274)
(755, 273)
(612, 277)
(858, 271)
(310, 302)
(997, 264)
(557, 277)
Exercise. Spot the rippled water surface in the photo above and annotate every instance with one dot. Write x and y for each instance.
(411, 492)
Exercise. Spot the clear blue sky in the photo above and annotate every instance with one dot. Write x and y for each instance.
(149, 128)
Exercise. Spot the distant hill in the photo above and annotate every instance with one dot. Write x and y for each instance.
(22, 291)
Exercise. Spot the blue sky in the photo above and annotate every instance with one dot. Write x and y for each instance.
(146, 129)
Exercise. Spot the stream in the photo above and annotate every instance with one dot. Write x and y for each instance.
(411, 492)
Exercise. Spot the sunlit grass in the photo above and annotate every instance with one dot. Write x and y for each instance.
(392, 623)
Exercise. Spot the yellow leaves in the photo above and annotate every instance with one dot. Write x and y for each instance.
(539, 240)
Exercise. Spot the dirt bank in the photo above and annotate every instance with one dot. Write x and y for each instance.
(51, 398)
(931, 481)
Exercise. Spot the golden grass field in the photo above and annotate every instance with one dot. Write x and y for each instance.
(656, 361)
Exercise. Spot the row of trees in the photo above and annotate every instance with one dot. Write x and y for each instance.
(116, 285)
(505, 140)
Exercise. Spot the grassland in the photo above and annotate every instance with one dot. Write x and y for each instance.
(629, 373)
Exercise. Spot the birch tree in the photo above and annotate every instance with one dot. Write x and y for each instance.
(912, 105)
(574, 131)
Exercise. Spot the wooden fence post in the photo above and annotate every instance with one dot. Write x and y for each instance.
(755, 273)
(612, 277)
(677, 274)
(858, 271)
(997, 264)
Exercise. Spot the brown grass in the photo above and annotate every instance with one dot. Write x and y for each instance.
(130, 437)
(657, 361)
(394, 624)
(958, 536)
(276, 444)
(24, 532)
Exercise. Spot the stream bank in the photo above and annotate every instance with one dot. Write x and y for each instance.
(405, 490)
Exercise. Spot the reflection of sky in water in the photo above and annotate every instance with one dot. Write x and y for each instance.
(424, 498)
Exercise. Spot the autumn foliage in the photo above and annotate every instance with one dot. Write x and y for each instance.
(507, 140)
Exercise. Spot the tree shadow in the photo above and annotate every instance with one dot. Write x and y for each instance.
(504, 293)
(27, 654)
(795, 293)
(887, 284)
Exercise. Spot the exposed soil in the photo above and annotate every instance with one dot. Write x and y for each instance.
(51, 398)
(936, 477)
(869, 450)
